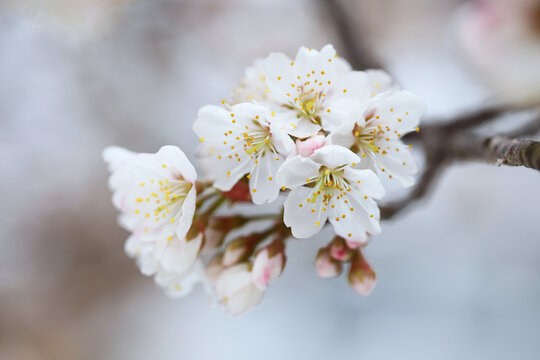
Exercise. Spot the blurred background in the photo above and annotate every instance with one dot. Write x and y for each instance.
(458, 274)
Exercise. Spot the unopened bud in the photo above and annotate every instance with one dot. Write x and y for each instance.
(361, 275)
(268, 264)
(236, 290)
(214, 268)
(353, 245)
(307, 147)
(339, 250)
(239, 249)
(218, 228)
(325, 265)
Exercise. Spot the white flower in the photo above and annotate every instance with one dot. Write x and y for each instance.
(326, 186)
(236, 289)
(181, 284)
(379, 81)
(240, 141)
(315, 90)
(500, 40)
(252, 87)
(174, 263)
(155, 193)
(376, 136)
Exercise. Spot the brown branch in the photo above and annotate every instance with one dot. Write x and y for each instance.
(498, 150)
(355, 49)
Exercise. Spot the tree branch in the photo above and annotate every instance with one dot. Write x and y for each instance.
(449, 141)
(355, 48)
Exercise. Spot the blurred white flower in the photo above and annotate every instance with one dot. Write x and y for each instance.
(326, 186)
(252, 87)
(501, 39)
(181, 284)
(174, 264)
(240, 141)
(314, 91)
(155, 193)
(376, 136)
(236, 289)
(379, 81)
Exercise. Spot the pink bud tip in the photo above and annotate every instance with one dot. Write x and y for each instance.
(307, 147)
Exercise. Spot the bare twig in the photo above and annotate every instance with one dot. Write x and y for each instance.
(356, 50)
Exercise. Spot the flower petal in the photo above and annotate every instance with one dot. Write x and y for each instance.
(295, 170)
(334, 156)
(305, 218)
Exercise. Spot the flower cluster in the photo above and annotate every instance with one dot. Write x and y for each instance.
(310, 129)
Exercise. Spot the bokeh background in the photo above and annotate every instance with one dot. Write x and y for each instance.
(458, 274)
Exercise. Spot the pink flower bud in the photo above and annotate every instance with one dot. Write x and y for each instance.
(361, 275)
(268, 264)
(339, 250)
(326, 266)
(353, 245)
(307, 147)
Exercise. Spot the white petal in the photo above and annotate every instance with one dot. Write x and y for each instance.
(343, 110)
(379, 81)
(185, 219)
(179, 255)
(399, 110)
(263, 182)
(279, 75)
(343, 135)
(400, 164)
(333, 156)
(364, 217)
(179, 285)
(304, 218)
(281, 140)
(233, 280)
(352, 84)
(176, 163)
(365, 181)
(288, 121)
(244, 300)
(296, 170)
(115, 156)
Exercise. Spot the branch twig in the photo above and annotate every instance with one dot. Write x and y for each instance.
(356, 49)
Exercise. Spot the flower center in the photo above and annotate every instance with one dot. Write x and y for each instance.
(365, 139)
(329, 184)
(257, 141)
(164, 198)
(308, 103)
